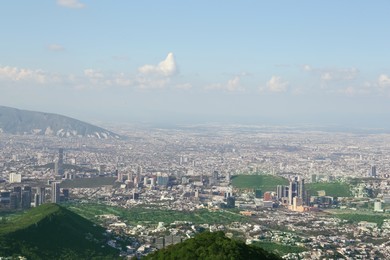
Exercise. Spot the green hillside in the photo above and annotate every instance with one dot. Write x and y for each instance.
(53, 232)
(262, 182)
(211, 246)
(334, 189)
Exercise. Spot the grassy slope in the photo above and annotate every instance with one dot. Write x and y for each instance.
(356, 217)
(52, 232)
(262, 182)
(334, 189)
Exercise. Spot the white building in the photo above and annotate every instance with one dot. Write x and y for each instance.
(15, 177)
(378, 206)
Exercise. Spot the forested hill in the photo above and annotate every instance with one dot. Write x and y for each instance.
(212, 246)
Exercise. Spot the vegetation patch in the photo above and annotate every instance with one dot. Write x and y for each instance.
(261, 181)
(333, 189)
(53, 232)
(377, 218)
(212, 246)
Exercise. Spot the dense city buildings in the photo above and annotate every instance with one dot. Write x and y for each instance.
(306, 182)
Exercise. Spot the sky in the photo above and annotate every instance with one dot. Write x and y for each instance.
(171, 61)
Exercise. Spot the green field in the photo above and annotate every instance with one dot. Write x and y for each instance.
(279, 249)
(357, 217)
(138, 215)
(334, 189)
(88, 182)
(262, 182)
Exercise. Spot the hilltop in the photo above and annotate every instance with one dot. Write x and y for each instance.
(17, 121)
(211, 246)
(53, 232)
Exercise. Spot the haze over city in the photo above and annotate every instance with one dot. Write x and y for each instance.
(199, 61)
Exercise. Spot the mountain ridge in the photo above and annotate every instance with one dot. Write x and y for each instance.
(25, 122)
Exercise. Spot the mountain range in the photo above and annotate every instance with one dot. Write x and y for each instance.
(17, 121)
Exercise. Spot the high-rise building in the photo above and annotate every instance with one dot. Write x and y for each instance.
(230, 202)
(65, 192)
(26, 199)
(301, 188)
(36, 200)
(14, 200)
(279, 191)
(292, 191)
(55, 192)
(162, 179)
(119, 176)
(228, 177)
(41, 191)
(378, 206)
(135, 195)
(152, 182)
(15, 177)
(61, 161)
(130, 176)
(180, 160)
(229, 192)
(373, 171)
(296, 189)
(139, 172)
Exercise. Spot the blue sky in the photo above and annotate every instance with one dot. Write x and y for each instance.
(282, 62)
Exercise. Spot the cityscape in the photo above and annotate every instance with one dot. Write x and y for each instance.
(320, 194)
(200, 129)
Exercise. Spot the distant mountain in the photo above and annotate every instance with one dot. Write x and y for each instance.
(16, 121)
(213, 246)
(53, 232)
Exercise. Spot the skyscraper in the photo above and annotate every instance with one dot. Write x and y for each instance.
(373, 171)
(61, 161)
(55, 192)
(42, 195)
(296, 189)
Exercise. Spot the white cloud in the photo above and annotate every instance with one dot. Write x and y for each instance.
(233, 84)
(384, 81)
(333, 74)
(307, 67)
(93, 74)
(339, 74)
(75, 4)
(276, 84)
(17, 74)
(148, 83)
(55, 47)
(122, 80)
(101, 80)
(165, 68)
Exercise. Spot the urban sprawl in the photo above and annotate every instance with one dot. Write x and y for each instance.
(323, 194)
